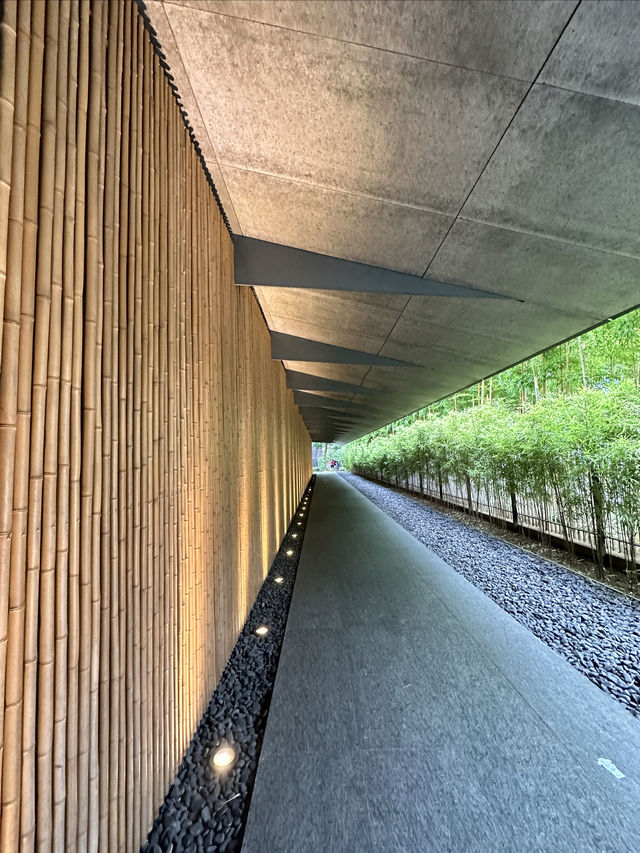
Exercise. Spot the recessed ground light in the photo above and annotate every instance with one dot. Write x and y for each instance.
(261, 630)
(290, 553)
(279, 579)
(299, 524)
(223, 757)
(294, 535)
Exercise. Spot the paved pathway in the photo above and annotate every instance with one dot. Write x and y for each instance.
(410, 713)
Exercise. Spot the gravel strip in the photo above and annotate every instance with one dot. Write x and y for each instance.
(595, 628)
(206, 809)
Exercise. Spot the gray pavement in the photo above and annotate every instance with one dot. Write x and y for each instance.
(410, 713)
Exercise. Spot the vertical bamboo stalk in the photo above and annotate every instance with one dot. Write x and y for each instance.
(125, 753)
(39, 364)
(64, 448)
(46, 638)
(90, 382)
(95, 824)
(116, 781)
(74, 717)
(13, 121)
(157, 561)
(108, 720)
(8, 37)
(142, 377)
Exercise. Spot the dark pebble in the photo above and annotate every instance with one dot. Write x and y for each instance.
(198, 812)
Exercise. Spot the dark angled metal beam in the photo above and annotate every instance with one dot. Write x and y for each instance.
(299, 381)
(335, 414)
(303, 399)
(291, 348)
(257, 262)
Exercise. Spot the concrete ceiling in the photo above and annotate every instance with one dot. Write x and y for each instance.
(489, 144)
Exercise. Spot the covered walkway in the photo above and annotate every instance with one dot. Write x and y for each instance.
(411, 713)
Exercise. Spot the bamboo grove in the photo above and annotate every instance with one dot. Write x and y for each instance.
(150, 454)
(559, 433)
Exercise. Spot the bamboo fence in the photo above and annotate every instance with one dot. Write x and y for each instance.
(150, 454)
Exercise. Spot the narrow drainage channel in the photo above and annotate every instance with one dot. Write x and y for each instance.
(206, 807)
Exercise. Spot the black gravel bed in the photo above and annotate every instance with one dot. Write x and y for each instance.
(205, 808)
(597, 629)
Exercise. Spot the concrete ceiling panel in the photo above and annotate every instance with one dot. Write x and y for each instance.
(508, 336)
(191, 106)
(396, 134)
(331, 222)
(341, 115)
(569, 168)
(483, 36)
(579, 61)
(542, 271)
(323, 315)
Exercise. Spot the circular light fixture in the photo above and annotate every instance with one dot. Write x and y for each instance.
(294, 535)
(279, 579)
(224, 757)
(299, 524)
(289, 552)
(261, 630)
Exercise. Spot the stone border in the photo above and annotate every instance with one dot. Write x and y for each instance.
(206, 809)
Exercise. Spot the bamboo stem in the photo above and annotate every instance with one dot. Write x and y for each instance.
(14, 43)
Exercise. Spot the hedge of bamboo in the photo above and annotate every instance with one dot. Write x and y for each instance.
(575, 458)
(150, 454)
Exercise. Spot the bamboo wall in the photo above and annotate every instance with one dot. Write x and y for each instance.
(150, 455)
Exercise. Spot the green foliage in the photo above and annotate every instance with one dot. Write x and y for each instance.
(562, 429)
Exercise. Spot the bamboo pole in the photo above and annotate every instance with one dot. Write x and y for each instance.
(115, 770)
(90, 381)
(38, 415)
(130, 496)
(8, 38)
(13, 120)
(64, 449)
(125, 756)
(74, 718)
(46, 636)
(33, 22)
(108, 695)
(143, 381)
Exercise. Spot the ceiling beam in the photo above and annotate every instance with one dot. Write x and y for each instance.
(302, 398)
(257, 262)
(292, 348)
(299, 381)
(310, 411)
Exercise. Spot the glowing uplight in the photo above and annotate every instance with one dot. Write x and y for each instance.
(289, 553)
(279, 579)
(299, 524)
(261, 630)
(224, 757)
(294, 535)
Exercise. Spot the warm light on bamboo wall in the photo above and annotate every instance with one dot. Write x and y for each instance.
(150, 454)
